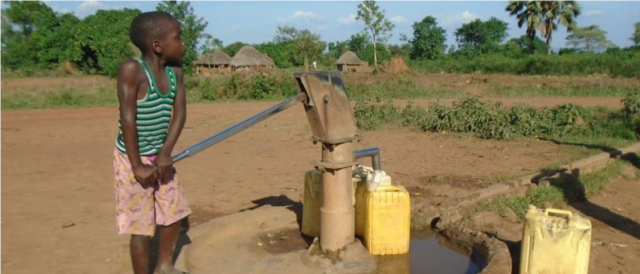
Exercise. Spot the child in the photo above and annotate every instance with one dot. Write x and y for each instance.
(152, 113)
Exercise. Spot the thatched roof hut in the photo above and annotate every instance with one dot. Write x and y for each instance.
(349, 61)
(349, 58)
(248, 56)
(215, 58)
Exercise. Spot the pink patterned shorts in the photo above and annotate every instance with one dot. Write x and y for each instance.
(139, 210)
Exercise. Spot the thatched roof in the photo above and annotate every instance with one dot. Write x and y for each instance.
(217, 57)
(249, 56)
(349, 58)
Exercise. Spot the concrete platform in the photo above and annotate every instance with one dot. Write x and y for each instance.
(263, 240)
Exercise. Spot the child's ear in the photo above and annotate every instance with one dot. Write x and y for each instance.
(155, 46)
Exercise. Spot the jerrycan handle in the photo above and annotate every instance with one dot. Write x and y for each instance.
(560, 212)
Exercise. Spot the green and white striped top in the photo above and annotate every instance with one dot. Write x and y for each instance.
(153, 114)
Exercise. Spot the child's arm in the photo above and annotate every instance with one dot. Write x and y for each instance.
(164, 161)
(128, 76)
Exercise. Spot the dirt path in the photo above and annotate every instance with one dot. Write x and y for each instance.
(616, 227)
(58, 214)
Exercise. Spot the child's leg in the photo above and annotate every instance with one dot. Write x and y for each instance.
(139, 247)
(171, 208)
(168, 238)
(134, 211)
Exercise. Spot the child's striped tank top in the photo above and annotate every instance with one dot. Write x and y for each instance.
(153, 114)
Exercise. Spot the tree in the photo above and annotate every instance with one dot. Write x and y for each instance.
(210, 43)
(358, 42)
(61, 45)
(233, 48)
(4, 24)
(192, 28)
(367, 54)
(636, 35)
(336, 49)
(481, 37)
(306, 44)
(27, 35)
(376, 23)
(529, 13)
(104, 41)
(428, 41)
(283, 55)
(590, 39)
(401, 50)
(521, 44)
(564, 12)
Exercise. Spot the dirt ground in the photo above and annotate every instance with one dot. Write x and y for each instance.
(57, 189)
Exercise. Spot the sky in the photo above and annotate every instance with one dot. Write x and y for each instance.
(257, 21)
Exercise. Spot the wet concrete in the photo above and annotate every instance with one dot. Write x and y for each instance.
(429, 253)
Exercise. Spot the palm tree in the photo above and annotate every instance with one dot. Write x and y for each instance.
(564, 12)
(529, 12)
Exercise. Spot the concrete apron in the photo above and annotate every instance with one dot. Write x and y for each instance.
(263, 240)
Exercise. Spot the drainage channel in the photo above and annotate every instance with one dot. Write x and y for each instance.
(429, 253)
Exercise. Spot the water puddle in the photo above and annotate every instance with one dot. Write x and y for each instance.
(429, 253)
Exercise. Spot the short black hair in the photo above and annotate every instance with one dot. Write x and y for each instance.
(149, 25)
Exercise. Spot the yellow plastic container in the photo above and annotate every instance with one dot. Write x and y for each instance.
(361, 202)
(387, 220)
(394, 264)
(312, 201)
(555, 241)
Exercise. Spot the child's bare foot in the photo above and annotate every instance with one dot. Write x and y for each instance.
(168, 270)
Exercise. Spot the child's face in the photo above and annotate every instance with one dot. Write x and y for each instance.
(173, 48)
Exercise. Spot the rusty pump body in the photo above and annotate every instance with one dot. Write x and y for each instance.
(332, 124)
(323, 94)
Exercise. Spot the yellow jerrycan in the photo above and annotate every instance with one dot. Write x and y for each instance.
(387, 222)
(312, 201)
(394, 264)
(381, 179)
(555, 241)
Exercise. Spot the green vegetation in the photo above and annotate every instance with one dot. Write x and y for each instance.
(490, 120)
(36, 39)
(557, 195)
(379, 26)
(274, 86)
(480, 37)
(589, 38)
(429, 40)
(569, 90)
(101, 95)
(616, 63)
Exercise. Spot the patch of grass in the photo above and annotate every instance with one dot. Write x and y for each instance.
(540, 197)
(556, 195)
(538, 90)
(64, 98)
(398, 88)
(596, 181)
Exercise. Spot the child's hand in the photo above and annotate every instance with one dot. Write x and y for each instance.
(146, 175)
(164, 164)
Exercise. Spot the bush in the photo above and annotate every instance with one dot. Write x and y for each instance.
(620, 63)
(489, 120)
(239, 86)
